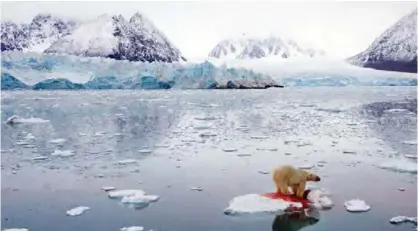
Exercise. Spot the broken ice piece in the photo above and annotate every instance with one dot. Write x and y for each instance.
(16, 229)
(139, 199)
(40, 158)
(145, 151)
(122, 193)
(410, 142)
(411, 156)
(401, 189)
(263, 172)
(244, 154)
(306, 166)
(77, 211)
(259, 137)
(132, 228)
(349, 152)
(356, 205)
(196, 189)
(229, 149)
(57, 141)
(63, 153)
(127, 161)
(401, 219)
(108, 188)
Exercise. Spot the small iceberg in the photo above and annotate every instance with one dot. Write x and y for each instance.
(356, 205)
(122, 193)
(255, 203)
(77, 211)
(132, 228)
(15, 119)
(135, 198)
(57, 141)
(63, 153)
(401, 219)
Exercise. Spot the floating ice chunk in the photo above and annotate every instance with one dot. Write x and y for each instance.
(196, 189)
(145, 151)
(401, 219)
(63, 153)
(306, 166)
(132, 228)
(16, 229)
(207, 134)
(411, 156)
(82, 134)
(127, 161)
(319, 199)
(201, 127)
(263, 172)
(57, 141)
(401, 189)
(139, 199)
(410, 142)
(229, 149)
(259, 137)
(205, 118)
(29, 136)
(356, 205)
(123, 193)
(19, 120)
(40, 158)
(108, 188)
(288, 153)
(267, 149)
(255, 203)
(244, 154)
(77, 211)
(399, 166)
(99, 133)
(395, 110)
(349, 152)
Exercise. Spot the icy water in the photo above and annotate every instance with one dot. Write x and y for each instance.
(167, 142)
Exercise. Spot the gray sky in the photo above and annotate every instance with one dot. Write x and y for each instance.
(340, 28)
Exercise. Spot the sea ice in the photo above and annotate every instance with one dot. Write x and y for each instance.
(77, 211)
(63, 153)
(319, 199)
(399, 166)
(29, 136)
(411, 156)
(306, 166)
(259, 137)
(40, 158)
(349, 152)
(108, 188)
(139, 199)
(122, 193)
(401, 219)
(196, 189)
(244, 154)
(15, 119)
(263, 172)
(127, 161)
(356, 205)
(229, 149)
(16, 229)
(145, 151)
(410, 142)
(255, 203)
(132, 228)
(57, 141)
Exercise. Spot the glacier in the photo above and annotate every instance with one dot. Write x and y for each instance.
(59, 71)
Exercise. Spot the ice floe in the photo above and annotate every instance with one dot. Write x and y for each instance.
(259, 137)
(411, 156)
(77, 211)
(132, 228)
(244, 154)
(410, 142)
(306, 166)
(196, 189)
(16, 229)
(229, 149)
(401, 219)
(135, 198)
(399, 166)
(40, 158)
(127, 161)
(401, 189)
(263, 172)
(255, 203)
(15, 119)
(108, 188)
(122, 193)
(320, 199)
(145, 151)
(63, 153)
(356, 205)
(57, 141)
(349, 152)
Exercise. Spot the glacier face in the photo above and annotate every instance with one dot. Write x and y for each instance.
(255, 48)
(53, 71)
(114, 37)
(394, 50)
(39, 34)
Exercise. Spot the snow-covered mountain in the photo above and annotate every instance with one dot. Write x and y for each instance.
(394, 50)
(254, 48)
(114, 37)
(39, 34)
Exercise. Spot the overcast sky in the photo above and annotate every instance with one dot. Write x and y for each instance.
(340, 28)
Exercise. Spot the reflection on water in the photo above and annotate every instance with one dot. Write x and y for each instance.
(295, 221)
